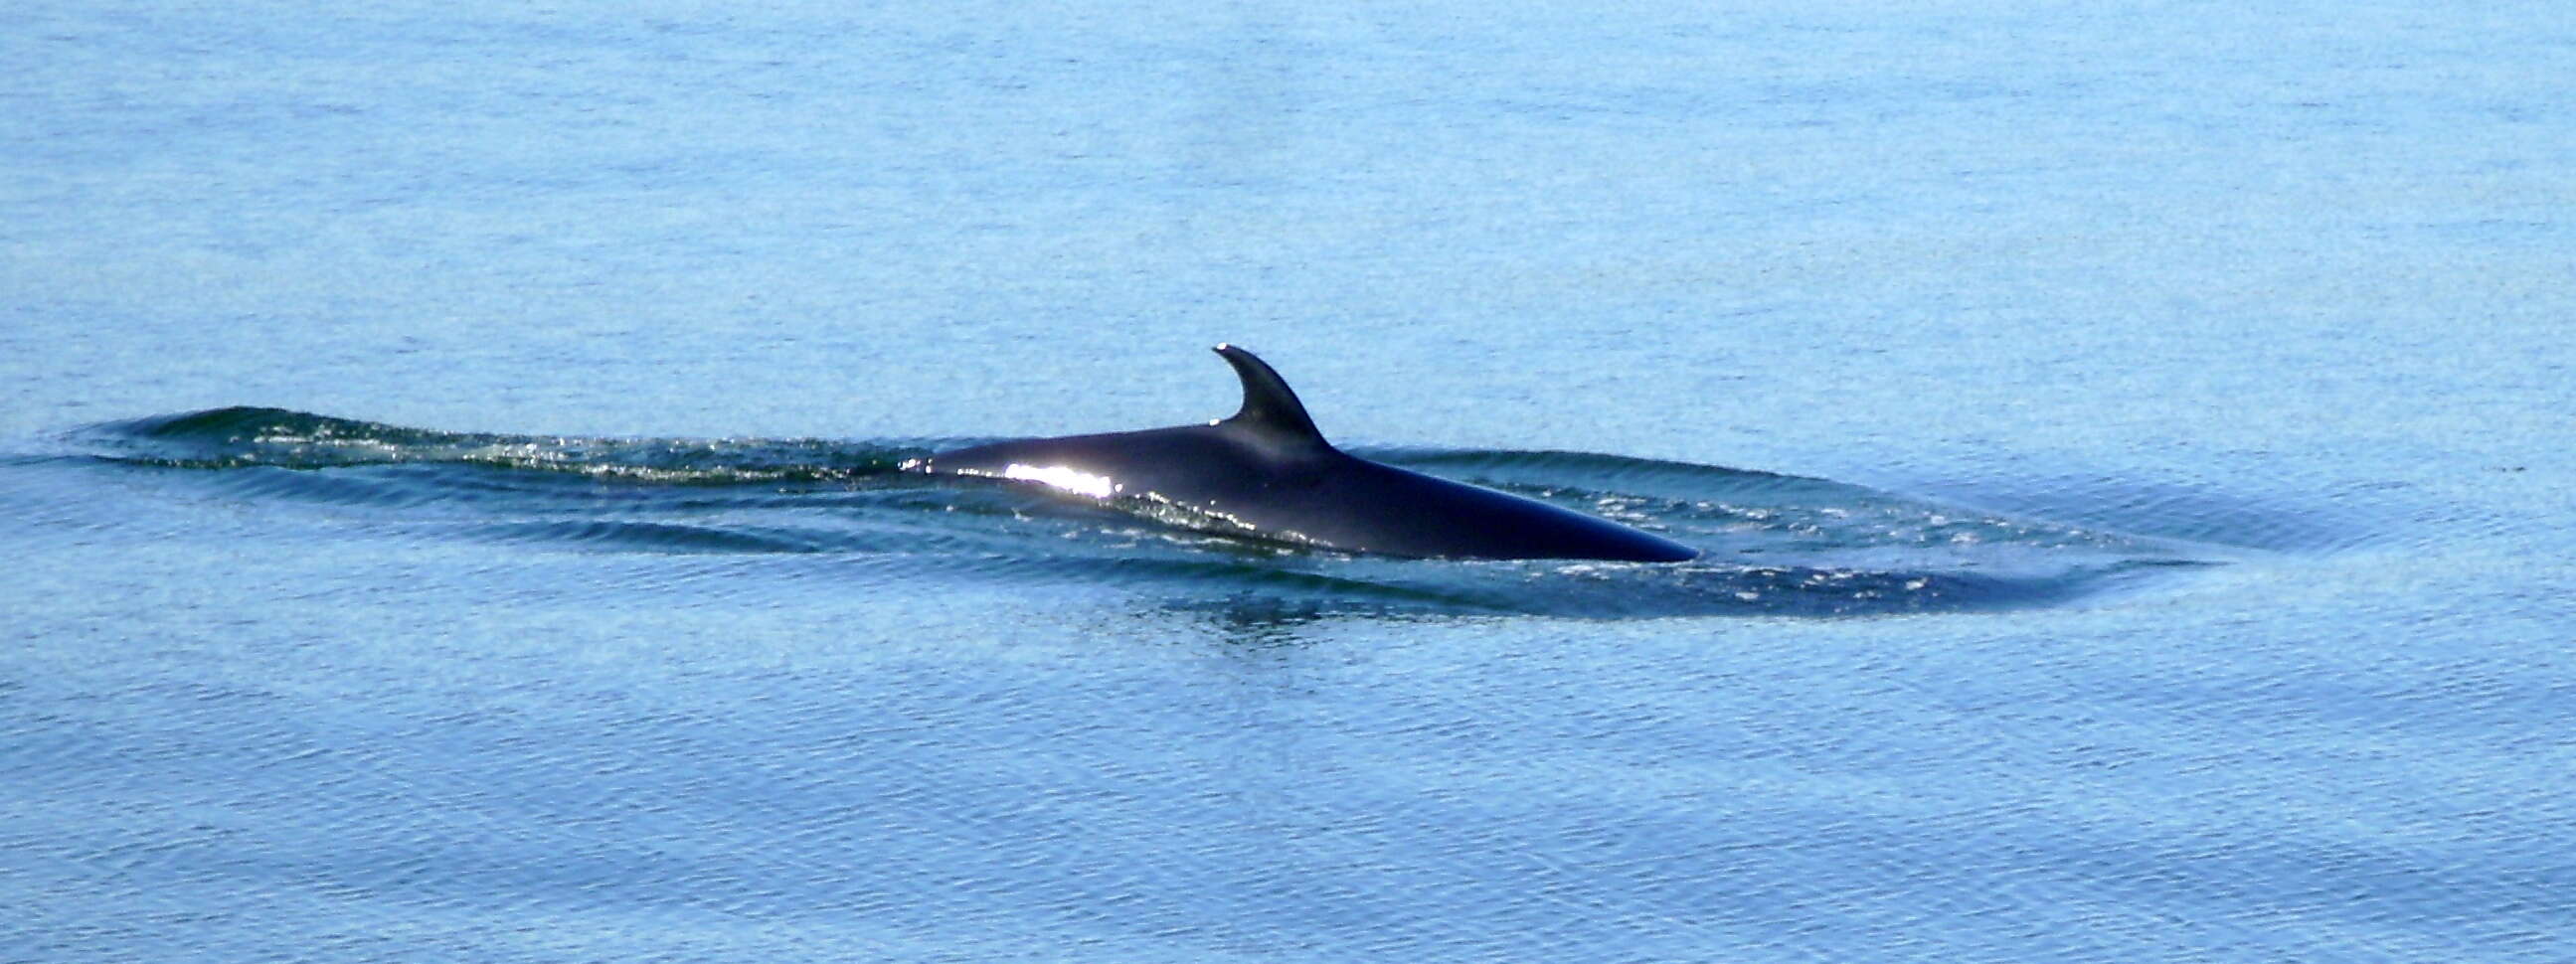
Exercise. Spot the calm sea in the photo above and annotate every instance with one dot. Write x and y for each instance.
(447, 470)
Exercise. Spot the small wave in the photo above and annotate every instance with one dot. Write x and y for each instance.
(241, 437)
(668, 537)
(1774, 544)
(2195, 513)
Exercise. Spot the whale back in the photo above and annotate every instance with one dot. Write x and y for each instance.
(1267, 472)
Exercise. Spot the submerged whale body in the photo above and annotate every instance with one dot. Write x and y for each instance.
(1267, 473)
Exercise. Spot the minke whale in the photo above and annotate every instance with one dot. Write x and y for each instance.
(1267, 474)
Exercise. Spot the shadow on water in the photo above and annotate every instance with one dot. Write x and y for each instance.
(1772, 544)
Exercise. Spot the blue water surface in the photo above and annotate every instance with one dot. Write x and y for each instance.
(448, 455)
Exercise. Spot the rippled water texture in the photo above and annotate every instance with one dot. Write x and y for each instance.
(451, 498)
(1770, 543)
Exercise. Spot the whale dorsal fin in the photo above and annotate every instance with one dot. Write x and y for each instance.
(1269, 408)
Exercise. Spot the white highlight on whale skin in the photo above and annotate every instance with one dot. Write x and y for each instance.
(1064, 477)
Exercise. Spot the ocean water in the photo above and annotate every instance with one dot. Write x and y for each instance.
(448, 456)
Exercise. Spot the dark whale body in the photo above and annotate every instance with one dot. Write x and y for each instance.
(1267, 473)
